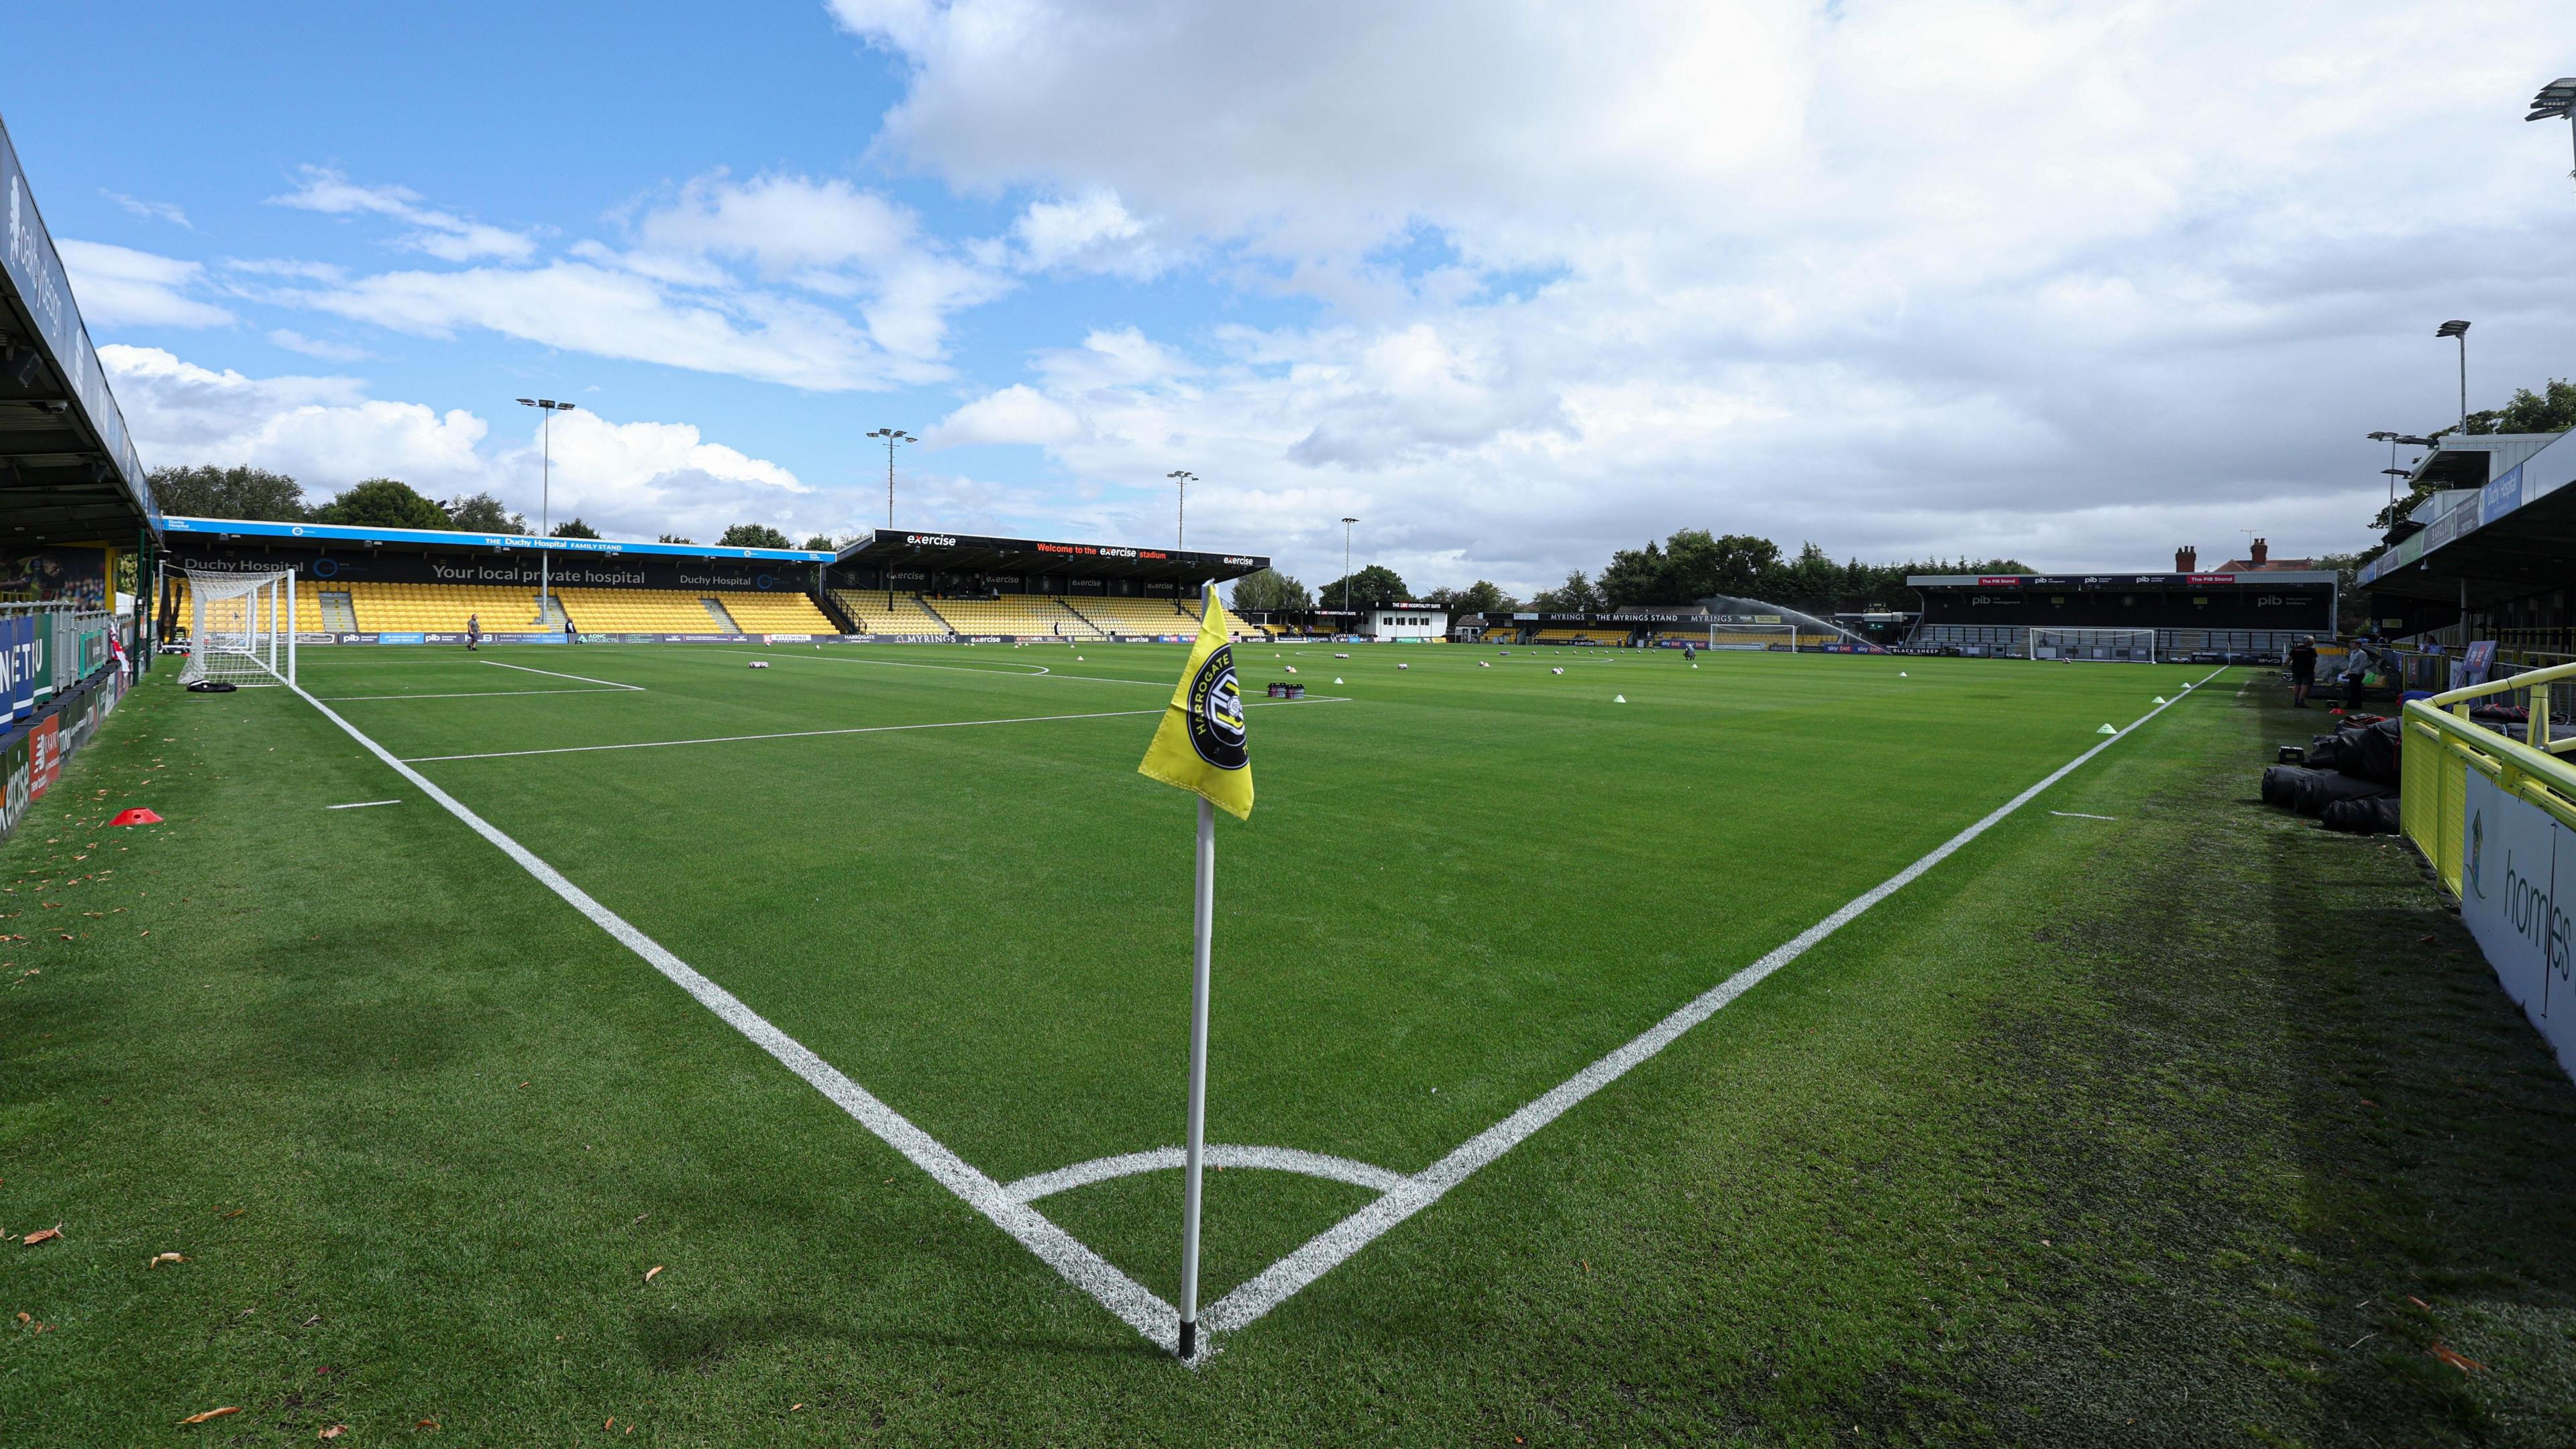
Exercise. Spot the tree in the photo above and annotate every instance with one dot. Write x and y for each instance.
(2551, 410)
(382, 503)
(674, 538)
(483, 513)
(1577, 595)
(575, 528)
(1266, 591)
(1376, 584)
(753, 535)
(1691, 565)
(206, 491)
(822, 542)
(1481, 597)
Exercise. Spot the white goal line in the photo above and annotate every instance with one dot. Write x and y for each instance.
(946, 724)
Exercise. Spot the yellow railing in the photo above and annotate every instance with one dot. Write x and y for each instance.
(2441, 747)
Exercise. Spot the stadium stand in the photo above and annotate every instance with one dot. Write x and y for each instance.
(1239, 631)
(402, 608)
(643, 611)
(777, 613)
(878, 612)
(1134, 616)
(1578, 636)
(1014, 614)
(309, 611)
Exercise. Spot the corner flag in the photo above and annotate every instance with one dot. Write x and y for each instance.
(1200, 746)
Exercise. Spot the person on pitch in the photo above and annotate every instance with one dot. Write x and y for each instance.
(2303, 670)
(571, 635)
(473, 633)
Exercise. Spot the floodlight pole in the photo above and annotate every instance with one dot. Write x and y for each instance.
(546, 409)
(892, 436)
(2460, 330)
(1346, 563)
(1181, 510)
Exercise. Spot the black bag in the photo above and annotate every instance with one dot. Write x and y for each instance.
(2371, 752)
(213, 686)
(2375, 816)
(2324, 787)
(2281, 783)
(2328, 752)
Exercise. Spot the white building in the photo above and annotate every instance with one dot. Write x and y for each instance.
(1401, 621)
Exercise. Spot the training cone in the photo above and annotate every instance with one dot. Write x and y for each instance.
(1337, 679)
(2106, 730)
(1900, 674)
(2160, 699)
(1484, 664)
(1291, 668)
(136, 816)
(1618, 699)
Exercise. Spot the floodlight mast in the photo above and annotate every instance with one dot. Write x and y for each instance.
(2460, 330)
(1346, 563)
(892, 436)
(2557, 102)
(1181, 510)
(546, 409)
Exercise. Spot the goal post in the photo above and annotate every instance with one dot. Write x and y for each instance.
(2104, 646)
(241, 628)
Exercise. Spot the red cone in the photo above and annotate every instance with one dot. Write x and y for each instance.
(136, 816)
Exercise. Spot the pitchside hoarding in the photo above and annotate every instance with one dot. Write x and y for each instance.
(2517, 880)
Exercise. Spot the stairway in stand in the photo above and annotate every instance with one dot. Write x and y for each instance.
(724, 621)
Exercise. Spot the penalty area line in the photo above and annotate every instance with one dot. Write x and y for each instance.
(1134, 1304)
(1280, 1281)
(558, 674)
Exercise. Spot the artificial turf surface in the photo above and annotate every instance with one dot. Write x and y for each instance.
(2060, 1137)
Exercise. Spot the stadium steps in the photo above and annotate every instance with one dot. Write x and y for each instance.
(1088, 622)
(339, 615)
(550, 611)
(842, 623)
(924, 605)
(724, 621)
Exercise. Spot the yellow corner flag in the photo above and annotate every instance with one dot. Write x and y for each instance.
(1200, 746)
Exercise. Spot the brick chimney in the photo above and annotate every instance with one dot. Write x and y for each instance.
(2261, 550)
(2186, 560)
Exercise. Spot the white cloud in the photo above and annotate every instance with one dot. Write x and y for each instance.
(2077, 283)
(443, 235)
(120, 287)
(1091, 233)
(633, 480)
(294, 341)
(150, 210)
(1016, 414)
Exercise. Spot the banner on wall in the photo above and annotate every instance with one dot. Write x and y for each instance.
(2517, 868)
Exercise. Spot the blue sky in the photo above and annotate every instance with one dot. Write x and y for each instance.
(1515, 286)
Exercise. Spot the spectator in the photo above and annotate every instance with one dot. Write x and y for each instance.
(2303, 670)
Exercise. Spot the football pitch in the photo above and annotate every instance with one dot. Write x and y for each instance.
(851, 995)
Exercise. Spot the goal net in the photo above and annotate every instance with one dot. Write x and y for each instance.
(2113, 646)
(241, 628)
(1752, 634)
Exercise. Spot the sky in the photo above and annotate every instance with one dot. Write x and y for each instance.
(1512, 283)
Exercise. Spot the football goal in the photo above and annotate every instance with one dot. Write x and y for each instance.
(241, 628)
(1752, 634)
(2112, 646)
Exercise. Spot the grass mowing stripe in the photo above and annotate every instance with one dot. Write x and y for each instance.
(584, 678)
(1281, 1280)
(952, 724)
(1034, 671)
(1079, 1265)
(484, 693)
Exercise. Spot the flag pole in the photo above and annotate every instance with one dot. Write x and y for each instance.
(1203, 929)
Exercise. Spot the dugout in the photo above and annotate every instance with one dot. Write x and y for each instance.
(2488, 554)
(2228, 617)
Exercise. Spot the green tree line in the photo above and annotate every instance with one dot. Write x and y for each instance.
(208, 491)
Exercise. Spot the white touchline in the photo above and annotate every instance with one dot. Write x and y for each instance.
(483, 693)
(1136, 1305)
(2080, 815)
(584, 678)
(1274, 1284)
(951, 724)
(361, 804)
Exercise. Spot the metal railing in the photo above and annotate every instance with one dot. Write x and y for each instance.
(2441, 746)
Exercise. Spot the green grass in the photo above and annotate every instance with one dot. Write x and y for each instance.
(459, 1122)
